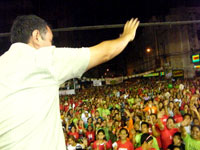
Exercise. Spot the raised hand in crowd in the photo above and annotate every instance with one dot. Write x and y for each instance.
(194, 109)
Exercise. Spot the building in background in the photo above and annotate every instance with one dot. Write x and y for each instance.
(171, 46)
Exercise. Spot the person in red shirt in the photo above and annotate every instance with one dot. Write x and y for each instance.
(146, 141)
(93, 109)
(90, 134)
(192, 89)
(101, 144)
(73, 131)
(80, 128)
(167, 132)
(163, 116)
(123, 143)
(177, 115)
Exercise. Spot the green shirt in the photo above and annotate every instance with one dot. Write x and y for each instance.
(86, 125)
(138, 141)
(100, 111)
(75, 120)
(190, 143)
(105, 112)
(106, 130)
(131, 100)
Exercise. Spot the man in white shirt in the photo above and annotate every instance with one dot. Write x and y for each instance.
(84, 116)
(32, 71)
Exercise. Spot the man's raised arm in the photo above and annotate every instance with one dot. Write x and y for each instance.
(107, 50)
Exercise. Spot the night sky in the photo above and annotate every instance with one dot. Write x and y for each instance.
(75, 13)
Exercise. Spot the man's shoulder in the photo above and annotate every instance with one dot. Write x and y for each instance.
(187, 137)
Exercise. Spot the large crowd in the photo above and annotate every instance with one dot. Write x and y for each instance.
(141, 114)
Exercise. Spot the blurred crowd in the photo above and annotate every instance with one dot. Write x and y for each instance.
(141, 114)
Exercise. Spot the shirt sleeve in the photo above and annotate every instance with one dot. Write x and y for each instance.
(68, 63)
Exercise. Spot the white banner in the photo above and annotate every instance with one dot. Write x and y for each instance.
(67, 92)
(97, 83)
(116, 80)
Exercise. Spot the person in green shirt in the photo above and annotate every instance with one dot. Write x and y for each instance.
(105, 111)
(106, 129)
(99, 109)
(131, 101)
(145, 129)
(192, 142)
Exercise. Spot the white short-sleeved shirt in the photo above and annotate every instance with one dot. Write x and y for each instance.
(29, 94)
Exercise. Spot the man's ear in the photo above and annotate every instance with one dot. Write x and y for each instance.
(35, 39)
(36, 35)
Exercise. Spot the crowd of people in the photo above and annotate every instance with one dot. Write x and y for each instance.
(141, 114)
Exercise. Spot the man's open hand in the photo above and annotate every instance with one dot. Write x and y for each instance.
(130, 29)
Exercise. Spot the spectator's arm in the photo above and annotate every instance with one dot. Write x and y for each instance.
(166, 107)
(194, 109)
(133, 140)
(156, 105)
(130, 124)
(182, 129)
(154, 131)
(133, 133)
(82, 125)
(76, 126)
(84, 143)
(160, 124)
(67, 126)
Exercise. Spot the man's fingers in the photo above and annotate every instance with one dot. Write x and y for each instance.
(132, 24)
(136, 25)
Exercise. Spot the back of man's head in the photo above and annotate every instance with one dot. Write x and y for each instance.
(23, 27)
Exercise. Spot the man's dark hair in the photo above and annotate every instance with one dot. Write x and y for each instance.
(72, 138)
(171, 119)
(101, 131)
(145, 123)
(179, 135)
(193, 126)
(187, 115)
(154, 115)
(124, 130)
(23, 27)
(146, 137)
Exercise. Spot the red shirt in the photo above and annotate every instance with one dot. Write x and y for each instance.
(75, 135)
(182, 105)
(76, 104)
(66, 108)
(101, 146)
(93, 111)
(90, 135)
(126, 146)
(178, 118)
(61, 107)
(164, 119)
(167, 136)
(193, 90)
